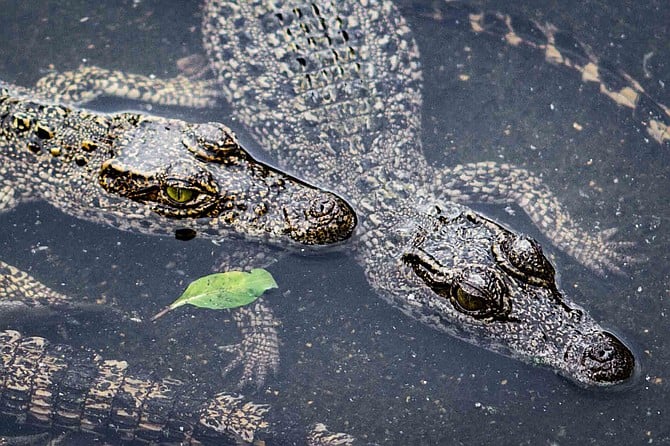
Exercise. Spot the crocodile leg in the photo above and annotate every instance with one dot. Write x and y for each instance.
(258, 351)
(89, 82)
(19, 289)
(490, 182)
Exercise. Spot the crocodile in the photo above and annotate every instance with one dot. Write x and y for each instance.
(150, 175)
(333, 90)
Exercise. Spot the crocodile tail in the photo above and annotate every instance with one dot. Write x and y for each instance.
(57, 386)
(562, 48)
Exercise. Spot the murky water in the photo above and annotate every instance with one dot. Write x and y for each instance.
(348, 359)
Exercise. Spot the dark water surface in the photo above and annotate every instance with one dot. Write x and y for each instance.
(348, 359)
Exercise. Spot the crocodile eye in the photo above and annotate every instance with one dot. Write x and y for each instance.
(522, 256)
(181, 194)
(469, 302)
(480, 293)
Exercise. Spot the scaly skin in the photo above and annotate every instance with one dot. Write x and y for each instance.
(56, 386)
(334, 90)
(343, 81)
(156, 176)
(61, 388)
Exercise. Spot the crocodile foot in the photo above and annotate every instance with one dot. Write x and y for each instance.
(319, 435)
(89, 82)
(258, 352)
(608, 255)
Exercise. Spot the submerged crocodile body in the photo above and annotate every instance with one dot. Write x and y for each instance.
(60, 388)
(56, 386)
(561, 48)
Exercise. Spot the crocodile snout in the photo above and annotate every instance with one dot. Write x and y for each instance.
(607, 360)
(598, 359)
(324, 219)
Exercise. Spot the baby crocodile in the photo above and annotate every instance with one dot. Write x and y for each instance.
(153, 175)
(150, 175)
(334, 90)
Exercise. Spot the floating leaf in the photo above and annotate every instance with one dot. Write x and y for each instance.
(224, 290)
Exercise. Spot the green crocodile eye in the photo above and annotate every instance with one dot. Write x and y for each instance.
(480, 293)
(180, 194)
(469, 302)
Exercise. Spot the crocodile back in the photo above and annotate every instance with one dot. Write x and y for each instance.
(332, 88)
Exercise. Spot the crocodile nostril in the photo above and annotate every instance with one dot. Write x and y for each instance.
(322, 207)
(323, 219)
(608, 360)
(601, 354)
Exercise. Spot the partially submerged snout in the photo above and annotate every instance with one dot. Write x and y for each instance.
(600, 359)
(316, 217)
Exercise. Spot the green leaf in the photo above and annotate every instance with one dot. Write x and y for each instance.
(224, 290)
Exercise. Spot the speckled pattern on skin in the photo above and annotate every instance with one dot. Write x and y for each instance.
(337, 87)
(334, 90)
(153, 175)
(57, 386)
(157, 176)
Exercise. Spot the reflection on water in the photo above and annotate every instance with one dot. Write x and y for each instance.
(348, 359)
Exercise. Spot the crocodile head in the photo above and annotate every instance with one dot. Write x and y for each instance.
(495, 288)
(175, 175)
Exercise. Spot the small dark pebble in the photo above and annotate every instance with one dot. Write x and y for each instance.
(184, 234)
